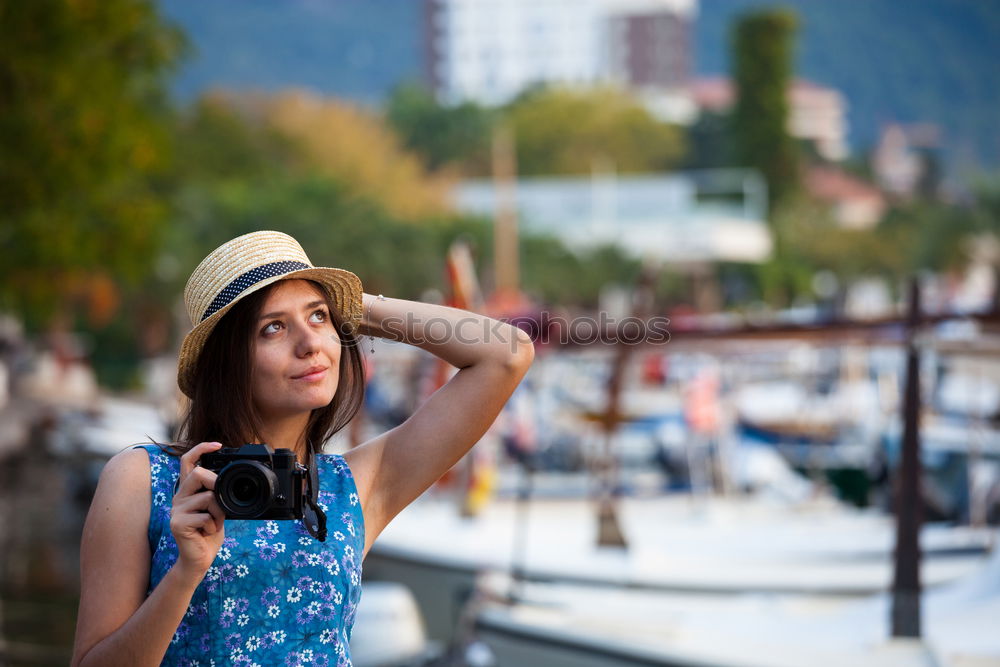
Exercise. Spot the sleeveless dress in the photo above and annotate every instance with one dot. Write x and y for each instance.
(275, 595)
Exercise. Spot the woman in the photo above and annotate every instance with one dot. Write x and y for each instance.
(273, 358)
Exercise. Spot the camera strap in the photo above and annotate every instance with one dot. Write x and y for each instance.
(312, 514)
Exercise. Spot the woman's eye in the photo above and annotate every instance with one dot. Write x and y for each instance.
(322, 315)
(267, 329)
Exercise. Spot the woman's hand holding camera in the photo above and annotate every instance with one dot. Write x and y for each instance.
(196, 519)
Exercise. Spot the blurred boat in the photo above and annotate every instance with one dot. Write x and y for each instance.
(677, 544)
(567, 625)
(389, 631)
(838, 429)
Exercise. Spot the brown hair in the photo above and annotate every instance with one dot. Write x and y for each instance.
(222, 408)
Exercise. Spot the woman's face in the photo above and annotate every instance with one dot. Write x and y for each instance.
(296, 351)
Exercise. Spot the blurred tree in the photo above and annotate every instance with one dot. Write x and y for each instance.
(84, 126)
(458, 136)
(762, 65)
(928, 236)
(709, 141)
(351, 146)
(558, 275)
(569, 132)
(236, 173)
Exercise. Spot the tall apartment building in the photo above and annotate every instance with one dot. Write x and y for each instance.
(489, 51)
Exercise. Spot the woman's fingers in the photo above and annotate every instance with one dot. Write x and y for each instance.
(208, 525)
(198, 508)
(190, 458)
(195, 481)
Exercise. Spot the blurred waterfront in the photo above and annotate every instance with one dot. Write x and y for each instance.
(753, 483)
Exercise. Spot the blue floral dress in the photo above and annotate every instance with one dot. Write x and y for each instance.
(275, 595)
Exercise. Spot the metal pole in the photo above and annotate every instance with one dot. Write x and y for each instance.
(909, 503)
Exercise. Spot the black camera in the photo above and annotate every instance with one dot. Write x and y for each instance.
(255, 482)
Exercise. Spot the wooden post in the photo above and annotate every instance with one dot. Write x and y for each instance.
(609, 532)
(909, 500)
(505, 236)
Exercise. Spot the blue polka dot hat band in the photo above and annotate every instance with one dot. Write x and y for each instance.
(251, 277)
(242, 266)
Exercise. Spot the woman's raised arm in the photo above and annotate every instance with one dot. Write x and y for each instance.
(395, 467)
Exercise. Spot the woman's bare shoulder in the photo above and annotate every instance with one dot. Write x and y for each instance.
(127, 469)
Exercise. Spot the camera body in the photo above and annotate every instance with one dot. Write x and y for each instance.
(256, 482)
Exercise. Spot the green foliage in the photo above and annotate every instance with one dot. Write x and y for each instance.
(569, 132)
(928, 236)
(441, 135)
(762, 66)
(84, 129)
(555, 274)
(710, 142)
(920, 235)
(236, 174)
(813, 241)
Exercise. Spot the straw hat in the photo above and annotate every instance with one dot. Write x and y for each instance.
(243, 266)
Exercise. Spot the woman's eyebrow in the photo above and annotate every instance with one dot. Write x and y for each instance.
(279, 313)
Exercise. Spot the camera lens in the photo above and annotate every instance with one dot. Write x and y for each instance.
(245, 489)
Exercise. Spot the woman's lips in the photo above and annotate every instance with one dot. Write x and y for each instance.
(311, 376)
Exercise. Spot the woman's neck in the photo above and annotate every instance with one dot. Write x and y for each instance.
(288, 433)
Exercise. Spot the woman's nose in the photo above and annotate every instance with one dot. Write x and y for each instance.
(308, 341)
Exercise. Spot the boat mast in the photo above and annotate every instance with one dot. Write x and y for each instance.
(909, 502)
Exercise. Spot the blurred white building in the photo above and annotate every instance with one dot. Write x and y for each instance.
(681, 218)
(897, 160)
(488, 51)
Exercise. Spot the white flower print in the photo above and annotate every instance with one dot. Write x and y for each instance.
(242, 590)
(160, 498)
